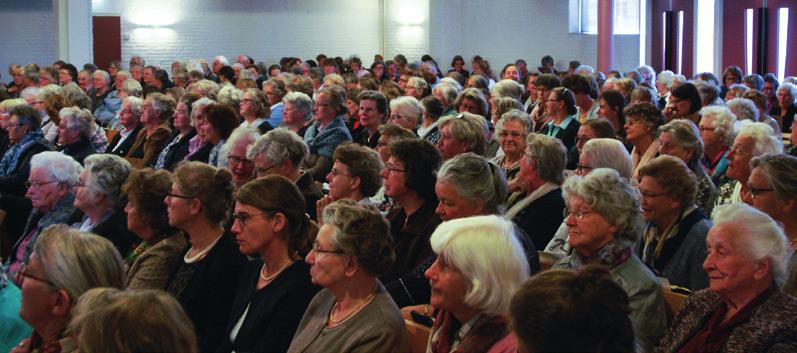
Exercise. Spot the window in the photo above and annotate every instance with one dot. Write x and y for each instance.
(626, 16)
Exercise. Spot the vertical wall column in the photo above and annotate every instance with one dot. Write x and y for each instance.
(605, 35)
(73, 27)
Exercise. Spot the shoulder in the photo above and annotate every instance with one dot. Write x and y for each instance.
(635, 277)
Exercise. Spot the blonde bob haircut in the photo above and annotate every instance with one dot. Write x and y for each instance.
(488, 253)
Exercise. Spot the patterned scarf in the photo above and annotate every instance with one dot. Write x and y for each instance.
(611, 255)
(476, 335)
(11, 159)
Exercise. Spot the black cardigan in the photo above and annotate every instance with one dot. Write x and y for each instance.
(274, 311)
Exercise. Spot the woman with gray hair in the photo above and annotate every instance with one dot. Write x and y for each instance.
(604, 224)
(255, 109)
(406, 112)
(104, 98)
(65, 263)
(281, 152)
(746, 263)
(717, 133)
(680, 138)
(480, 264)
(298, 113)
(156, 132)
(98, 196)
(464, 132)
(512, 127)
(74, 130)
(786, 106)
(772, 187)
(417, 88)
(353, 312)
(327, 132)
(535, 208)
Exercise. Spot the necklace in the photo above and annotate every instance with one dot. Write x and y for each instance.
(368, 300)
(268, 279)
(201, 254)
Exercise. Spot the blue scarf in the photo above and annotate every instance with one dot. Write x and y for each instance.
(10, 160)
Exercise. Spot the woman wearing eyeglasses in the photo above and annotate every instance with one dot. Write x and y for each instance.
(275, 288)
(354, 313)
(563, 122)
(198, 204)
(604, 222)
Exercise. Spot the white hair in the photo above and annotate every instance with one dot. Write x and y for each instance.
(757, 235)
(417, 83)
(451, 81)
(744, 109)
(222, 59)
(763, 135)
(60, 166)
(30, 92)
(229, 95)
(106, 175)
(409, 106)
(677, 80)
(241, 134)
(665, 77)
(450, 92)
(507, 88)
(608, 153)
(46, 91)
(791, 87)
(79, 119)
(724, 121)
(585, 70)
(105, 75)
(132, 87)
(491, 258)
(279, 145)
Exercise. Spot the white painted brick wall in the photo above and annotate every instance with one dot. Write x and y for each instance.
(29, 28)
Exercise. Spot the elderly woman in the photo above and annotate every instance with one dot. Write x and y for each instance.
(281, 152)
(275, 91)
(353, 313)
(771, 187)
(406, 112)
(354, 175)
(178, 148)
(130, 120)
(74, 131)
(473, 101)
(104, 98)
(432, 111)
(298, 113)
(198, 147)
(158, 254)
(684, 103)
(416, 88)
(199, 202)
(99, 198)
(327, 132)
(275, 288)
(680, 138)
(596, 153)
(52, 178)
(125, 87)
(464, 132)
(590, 129)
(572, 311)
(65, 263)
(746, 109)
(642, 129)
(25, 141)
(52, 105)
(786, 106)
(717, 133)
(480, 264)
(513, 127)
(563, 123)
(535, 208)
(255, 110)
(675, 235)
(156, 132)
(220, 121)
(242, 168)
(372, 111)
(604, 223)
(746, 260)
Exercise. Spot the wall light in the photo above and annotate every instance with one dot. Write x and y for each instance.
(748, 40)
(783, 27)
(680, 48)
(704, 52)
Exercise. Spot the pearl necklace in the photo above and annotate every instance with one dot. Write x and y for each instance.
(368, 300)
(268, 279)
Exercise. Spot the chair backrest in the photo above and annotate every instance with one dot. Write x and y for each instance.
(674, 302)
(419, 336)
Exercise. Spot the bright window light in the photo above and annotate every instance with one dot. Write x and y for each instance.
(643, 33)
(664, 38)
(705, 36)
(748, 40)
(680, 49)
(625, 17)
(783, 26)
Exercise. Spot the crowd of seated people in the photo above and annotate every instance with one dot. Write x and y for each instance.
(316, 205)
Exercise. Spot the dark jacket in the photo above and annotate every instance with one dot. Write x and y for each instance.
(273, 312)
(311, 192)
(205, 289)
(542, 218)
(14, 182)
(125, 146)
(113, 228)
(566, 135)
(411, 238)
(202, 154)
(177, 153)
(79, 150)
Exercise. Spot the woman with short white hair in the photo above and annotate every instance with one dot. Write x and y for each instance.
(74, 130)
(464, 132)
(417, 88)
(746, 263)
(507, 88)
(680, 138)
(406, 112)
(786, 106)
(480, 264)
(98, 195)
(717, 133)
(298, 113)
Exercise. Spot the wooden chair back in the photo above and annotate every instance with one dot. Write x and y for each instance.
(419, 336)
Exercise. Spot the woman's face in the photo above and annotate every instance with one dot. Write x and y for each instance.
(253, 229)
(512, 138)
(636, 128)
(379, 69)
(511, 73)
(84, 80)
(181, 119)
(64, 77)
(589, 231)
(707, 133)
(452, 205)
(38, 297)
(668, 146)
(248, 106)
(449, 145)
(99, 82)
(554, 104)
(327, 265)
(470, 106)
(199, 122)
(785, 98)
(394, 178)
(681, 107)
(354, 107)
(292, 116)
(585, 133)
(84, 200)
(211, 134)
(728, 268)
(135, 222)
(341, 181)
(606, 111)
(178, 207)
(731, 79)
(323, 109)
(458, 65)
(656, 204)
(449, 286)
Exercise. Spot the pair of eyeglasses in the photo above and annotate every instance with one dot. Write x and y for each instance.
(237, 160)
(323, 251)
(264, 171)
(178, 196)
(35, 184)
(23, 273)
(755, 191)
(392, 169)
(243, 218)
(579, 214)
(583, 169)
